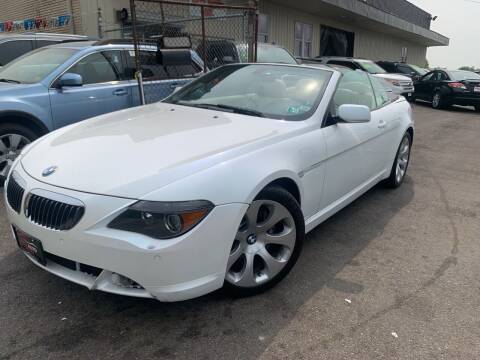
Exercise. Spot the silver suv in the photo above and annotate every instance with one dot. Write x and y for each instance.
(399, 84)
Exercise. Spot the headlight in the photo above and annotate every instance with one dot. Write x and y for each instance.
(393, 82)
(162, 220)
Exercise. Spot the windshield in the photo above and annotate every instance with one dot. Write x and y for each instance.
(273, 91)
(36, 65)
(460, 75)
(371, 67)
(267, 54)
(273, 54)
(418, 69)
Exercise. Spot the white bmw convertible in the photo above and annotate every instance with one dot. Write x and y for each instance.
(214, 187)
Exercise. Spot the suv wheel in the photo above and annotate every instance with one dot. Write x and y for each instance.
(267, 244)
(13, 138)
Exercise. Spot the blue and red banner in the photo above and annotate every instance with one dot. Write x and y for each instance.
(34, 24)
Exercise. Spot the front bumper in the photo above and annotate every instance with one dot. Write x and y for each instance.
(168, 270)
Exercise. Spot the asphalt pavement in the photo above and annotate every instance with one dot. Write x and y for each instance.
(395, 275)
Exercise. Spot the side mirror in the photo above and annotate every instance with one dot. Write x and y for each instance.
(70, 79)
(350, 113)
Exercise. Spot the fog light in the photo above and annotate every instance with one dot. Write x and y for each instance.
(125, 282)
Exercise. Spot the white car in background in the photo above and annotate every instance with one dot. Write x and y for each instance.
(216, 186)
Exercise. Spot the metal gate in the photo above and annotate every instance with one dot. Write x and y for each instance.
(177, 41)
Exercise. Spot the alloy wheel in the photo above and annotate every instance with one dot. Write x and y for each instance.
(263, 245)
(402, 159)
(10, 147)
(436, 100)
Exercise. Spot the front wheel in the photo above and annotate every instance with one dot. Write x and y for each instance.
(267, 245)
(13, 138)
(400, 165)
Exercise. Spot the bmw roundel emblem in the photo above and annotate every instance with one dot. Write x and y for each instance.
(49, 171)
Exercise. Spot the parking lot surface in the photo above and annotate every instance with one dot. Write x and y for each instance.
(395, 275)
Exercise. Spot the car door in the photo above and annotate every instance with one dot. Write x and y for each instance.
(104, 89)
(388, 118)
(422, 87)
(158, 81)
(353, 155)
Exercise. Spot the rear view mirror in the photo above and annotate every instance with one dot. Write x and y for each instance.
(70, 79)
(350, 113)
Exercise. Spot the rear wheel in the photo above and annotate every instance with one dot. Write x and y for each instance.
(400, 165)
(477, 108)
(13, 138)
(267, 245)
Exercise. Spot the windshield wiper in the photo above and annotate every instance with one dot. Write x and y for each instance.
(10, 81)
(234, 109)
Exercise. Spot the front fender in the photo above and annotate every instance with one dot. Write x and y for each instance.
(35, 106)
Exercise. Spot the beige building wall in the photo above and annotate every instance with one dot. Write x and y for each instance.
(368, 44)
(89, 15)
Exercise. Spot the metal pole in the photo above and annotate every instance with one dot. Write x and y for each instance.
(204, 40)
(255, 36)
(140, 87)
(138, 70)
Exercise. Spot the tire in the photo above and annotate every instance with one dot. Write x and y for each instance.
(437, 101)
(477, 108)
(256, 264)
(411, 99)
(13, 138)
(400, 165)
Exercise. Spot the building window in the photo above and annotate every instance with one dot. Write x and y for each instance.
(262, 28)
(303, 39)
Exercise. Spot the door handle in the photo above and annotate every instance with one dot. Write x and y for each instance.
(120, 92)
(382, 124)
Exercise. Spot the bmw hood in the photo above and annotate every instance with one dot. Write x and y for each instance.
(133, 152)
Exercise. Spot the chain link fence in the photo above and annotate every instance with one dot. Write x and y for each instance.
(178, 41)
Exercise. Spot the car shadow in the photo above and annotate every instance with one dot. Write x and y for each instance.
(214, 326)
(454, 108)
